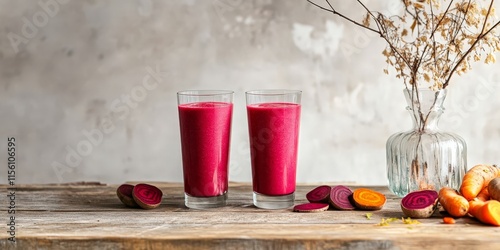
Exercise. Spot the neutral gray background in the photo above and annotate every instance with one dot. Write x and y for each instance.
(71, 73)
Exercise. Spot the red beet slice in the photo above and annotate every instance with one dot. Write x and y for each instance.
(124, 193)
(420, 204)
(311, 207)
(341, 198)
(319, 194)
(147, 196)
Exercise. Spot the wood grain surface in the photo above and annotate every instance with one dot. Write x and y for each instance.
(90, 216)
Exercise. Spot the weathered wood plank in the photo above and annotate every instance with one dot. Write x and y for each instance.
(84, 216)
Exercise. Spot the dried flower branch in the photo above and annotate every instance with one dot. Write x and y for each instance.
(429, 42)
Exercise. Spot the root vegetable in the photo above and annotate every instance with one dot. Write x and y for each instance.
(341, 198)
(124, 193)
(487, 212)
(319, 194)
(147, 196)
(494, 189)
(311, 207)
(448, 220)
(476, 179)
(419, 204)
(484, 195)
(367, 199)
(455, 204)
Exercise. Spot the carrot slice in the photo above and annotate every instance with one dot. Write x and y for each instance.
(487, 212)
(368, 199)
(448, 220)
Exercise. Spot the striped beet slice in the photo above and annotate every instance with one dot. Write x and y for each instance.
(147, 196)
(420, 204)
(341, 198)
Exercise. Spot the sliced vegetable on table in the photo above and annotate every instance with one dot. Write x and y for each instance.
(367, 199)
(311, 207)
(448, 220)
(124, 193)
(420, 204)
(319, 194)
(341, 198)
(147, 196)
(487, 212)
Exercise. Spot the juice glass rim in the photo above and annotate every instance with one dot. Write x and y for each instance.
(204, 92)
(273, 92)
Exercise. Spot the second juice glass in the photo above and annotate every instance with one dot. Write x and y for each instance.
(273, 124)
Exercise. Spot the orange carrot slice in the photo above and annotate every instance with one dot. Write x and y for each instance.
(448, 220)
(367, 199)
(487, 212)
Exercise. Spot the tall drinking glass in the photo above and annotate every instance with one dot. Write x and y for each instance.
(205, 124)
(273, 124)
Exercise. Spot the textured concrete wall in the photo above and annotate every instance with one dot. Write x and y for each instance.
(78, 69)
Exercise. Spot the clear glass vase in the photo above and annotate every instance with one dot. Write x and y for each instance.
(425, 157)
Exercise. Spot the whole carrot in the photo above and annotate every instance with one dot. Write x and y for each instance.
(487, 212)
(484, 195)
(455, 204)
(476, 179)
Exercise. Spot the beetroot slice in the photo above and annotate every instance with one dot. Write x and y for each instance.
(311, 207)
(341, 198)
(147, 196)
(419, 204)
(319, 194)
(124, 193)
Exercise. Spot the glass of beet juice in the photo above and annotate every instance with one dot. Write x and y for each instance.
(273, 124)
(205, 125)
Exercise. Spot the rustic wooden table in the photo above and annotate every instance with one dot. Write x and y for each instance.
(90, 216)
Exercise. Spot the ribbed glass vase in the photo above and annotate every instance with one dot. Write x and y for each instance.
(425, 157)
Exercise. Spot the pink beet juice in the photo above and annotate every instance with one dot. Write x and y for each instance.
(274, 129)
(205, 139)
(274, 135)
